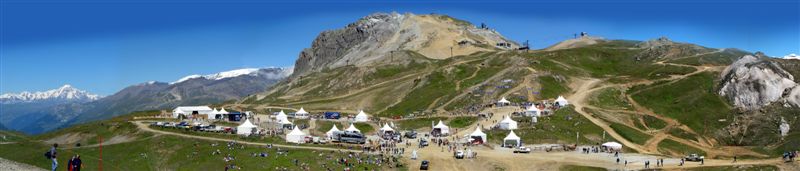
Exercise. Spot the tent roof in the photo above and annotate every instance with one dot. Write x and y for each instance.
(352, 128)
(286, 121)
(223, 111)
(503, 100)
(386, 128)
(612, 144)
(440, 125)
(247, 124)
(533, 108)
(507, 119)
(361, 114)
(561, 99)
(334, 128)
(301, 111)
(511, 136)
(296, 131)
(280, 114)
(478, 132)
(192, 108)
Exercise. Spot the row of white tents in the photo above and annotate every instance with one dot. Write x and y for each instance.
(561, 101)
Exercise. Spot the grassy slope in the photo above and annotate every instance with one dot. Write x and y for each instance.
(551, 87)
(559, 128)
(610, 98)
(168, 152)
(631, 134)
(678, 148)
(692, 101)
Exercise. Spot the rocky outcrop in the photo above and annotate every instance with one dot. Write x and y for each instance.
(372, 39)
(754, 81)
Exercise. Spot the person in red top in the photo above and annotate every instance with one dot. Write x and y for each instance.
(69, 163)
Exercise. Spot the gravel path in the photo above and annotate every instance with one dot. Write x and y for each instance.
(8, 165)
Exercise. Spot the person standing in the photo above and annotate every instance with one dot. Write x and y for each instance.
(52, 155)
(69, 163)
(77, 164)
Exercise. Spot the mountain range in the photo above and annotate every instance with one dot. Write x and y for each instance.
(39, 112)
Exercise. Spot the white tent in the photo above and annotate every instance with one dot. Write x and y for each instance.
(362, 117)
(223, 111)
(352, 128)
(187, 111)
(512, 139)
(478, 134)
(443, 129)
(507, 123)
(612, 145)
(503, 102)
(285, 122)
(301, 114)
(330, 132)
(533, 110)
(562, 101)
(245, 128)
(281, 117)
(386, 128)
(296, 136)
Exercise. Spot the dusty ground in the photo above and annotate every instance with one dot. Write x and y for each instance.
(8, 165)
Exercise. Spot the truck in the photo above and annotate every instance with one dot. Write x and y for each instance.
(522, 150)
(348, 137)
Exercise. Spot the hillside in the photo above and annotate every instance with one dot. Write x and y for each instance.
(35, 118)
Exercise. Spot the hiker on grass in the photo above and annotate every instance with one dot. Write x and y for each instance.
(77, 164)
(69, 163)
(52, 156)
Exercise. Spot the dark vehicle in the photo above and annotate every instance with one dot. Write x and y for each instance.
(411, 134)
(349, 137)
(332, 115)
(459, 154)
(424, 165)
(694, 157)
(235, 116)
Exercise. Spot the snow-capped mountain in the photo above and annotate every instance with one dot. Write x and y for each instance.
(65, 93)
(791, 56)
(283, 72)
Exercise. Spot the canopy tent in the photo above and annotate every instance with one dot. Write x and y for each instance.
(612, 145)
(512, 140)
(507, 123)
(245, 128)
(561, 101)
(352, 128)
(301, 114)
(186, 111)
(361, 116)
(503, 102)
(223, 111)
(533, 110)
(330, 132)
(386, 128)
(281, 117)
(441, 129)
(477, 137)
(296, 136)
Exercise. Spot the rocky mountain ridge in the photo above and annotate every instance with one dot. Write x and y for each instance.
(374, 39)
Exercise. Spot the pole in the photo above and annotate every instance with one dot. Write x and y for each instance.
(577, 136)
(100, 160)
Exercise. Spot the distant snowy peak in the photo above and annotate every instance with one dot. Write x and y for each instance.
(272, 73)
(791, 56)
(64, 93)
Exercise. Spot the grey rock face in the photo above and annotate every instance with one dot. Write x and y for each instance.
(753, 82)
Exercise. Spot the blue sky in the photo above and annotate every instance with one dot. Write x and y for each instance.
(104, 46)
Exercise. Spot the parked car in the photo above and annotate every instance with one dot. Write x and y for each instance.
(424, 165)
(423, 143)
(694, 157)
(411, 134)
(459, 154)
(522, 150)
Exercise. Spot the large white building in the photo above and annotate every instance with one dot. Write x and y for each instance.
(189, 111)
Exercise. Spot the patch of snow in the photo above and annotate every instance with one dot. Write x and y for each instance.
(791, 56)
(284, 72)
